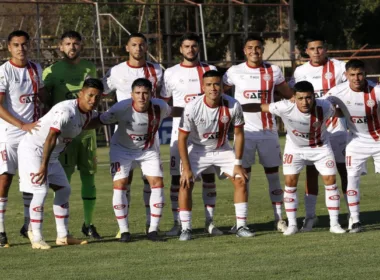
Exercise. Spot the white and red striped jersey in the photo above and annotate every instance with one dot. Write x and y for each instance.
(323, 78)
(184, 83)
(255, 85)
(121, 77)
(304, 129)
(136, 130)
(208, 127)
(20, 86)
(65, 118)
(361, 110)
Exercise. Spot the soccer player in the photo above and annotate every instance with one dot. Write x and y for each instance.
(359, 102)
(63, 80)
(307, 140)
(20, 85)
(255, 81)
(183, 82)
(323, 73)
(120, 78)
(204, 127)
(138, 120)
(40, 169)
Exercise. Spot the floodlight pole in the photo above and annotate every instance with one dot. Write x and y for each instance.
(203, 32)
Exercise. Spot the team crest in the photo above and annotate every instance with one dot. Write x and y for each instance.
(224, 119)
(330, 163)
(316, 124)
(370, 103)
(328, 75)
(266, 77)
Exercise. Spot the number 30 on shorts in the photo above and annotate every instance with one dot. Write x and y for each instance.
(288, 158)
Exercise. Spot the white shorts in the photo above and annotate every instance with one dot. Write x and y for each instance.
(175, 159)
(322, 158)
(30, 164)
(356, 158)
(269, 152)
(123, 160)
(8, 158)
(221, 161)
(338, 145)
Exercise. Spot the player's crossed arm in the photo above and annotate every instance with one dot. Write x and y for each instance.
(255, 108)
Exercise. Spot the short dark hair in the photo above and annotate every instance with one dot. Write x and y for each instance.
(303, 86)
(190, 37)
(212, 73)
(18, 33)
(136, 35)
(354, 64)
(312, 37)
(93, 83)
(71, 34)
(142, 82)
(254, 38)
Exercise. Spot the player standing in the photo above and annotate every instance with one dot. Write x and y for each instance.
(307, 140)
(138, 120)
(255, 81)
(323, 73)
(359, 102)
(20, 85)
(39, 167)
(204, 128)
(120, 78)
(182, 83)
(63, 80)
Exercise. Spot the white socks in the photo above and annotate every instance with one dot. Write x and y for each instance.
(157, 203)
(241, 212)
(209, 199)
(291, 204)
(61, 211)
(353, 197)
(276, 194)
(120, 207)
(3, 209)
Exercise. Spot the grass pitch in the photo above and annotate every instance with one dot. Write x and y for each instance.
(269, 255)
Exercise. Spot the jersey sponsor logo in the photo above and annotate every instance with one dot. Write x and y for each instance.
(330, 163)
(137, 137)
(211, 135)
(189, 97)
(159, 205)
(27, 98)
(320, 93)
(119, 206)
(253, 94)
(358, 120)
(352, 193)
(38, 209)
(370, 103)
(334, 197)
(300, 134)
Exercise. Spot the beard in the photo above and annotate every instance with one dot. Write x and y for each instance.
(191, 59)
(71, 57)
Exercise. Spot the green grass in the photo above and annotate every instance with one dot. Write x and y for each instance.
(269, 255)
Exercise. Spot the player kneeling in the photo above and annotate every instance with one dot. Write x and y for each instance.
(307, 142)
(40, 169)
(133, 143)
(204, 126)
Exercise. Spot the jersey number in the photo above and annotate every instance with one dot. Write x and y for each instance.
(348, 160)
(288, 159)
(115, 167)
(172, 162)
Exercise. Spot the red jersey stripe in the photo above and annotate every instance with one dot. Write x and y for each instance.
(224, 120)
(152, 71)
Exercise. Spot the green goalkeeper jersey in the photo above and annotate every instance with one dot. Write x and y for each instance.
(63, 80)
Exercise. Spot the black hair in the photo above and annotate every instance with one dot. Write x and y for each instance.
(254, 38)
(190, 37)
(303, 86)
(71, 34)
(18, 33)
(354, 64)
(142, 82)
(136, 35)
(93, 83)
(212, 73)
(313, 37)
